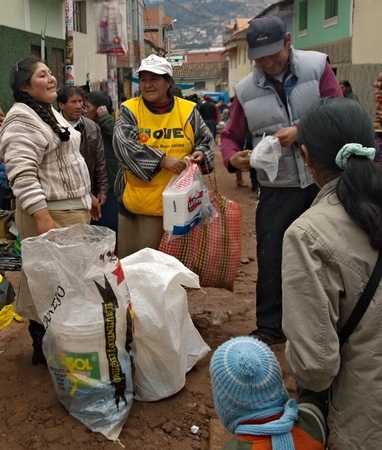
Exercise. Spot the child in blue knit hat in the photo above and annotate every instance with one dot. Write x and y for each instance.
(253, 404)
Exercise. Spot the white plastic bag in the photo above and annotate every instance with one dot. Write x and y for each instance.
(166, 343)
(266, 156)
(82, 298)
(183, 200)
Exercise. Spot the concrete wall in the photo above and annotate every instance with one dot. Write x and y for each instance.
(367, 32)
(32, 16)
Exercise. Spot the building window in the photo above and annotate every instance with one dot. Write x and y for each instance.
(303, 15)
(200, 85)
(331, 9)
(79, 16)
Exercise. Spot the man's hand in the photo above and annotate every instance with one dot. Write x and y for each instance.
(286, 136)
(101, 199)
(240, 160)
(95, 212)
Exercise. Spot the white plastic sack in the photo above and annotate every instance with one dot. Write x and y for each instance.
(266, 156)
(183, 200)
(82, 298)
(166, 343)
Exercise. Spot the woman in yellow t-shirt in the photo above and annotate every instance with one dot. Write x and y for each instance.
(152, 135)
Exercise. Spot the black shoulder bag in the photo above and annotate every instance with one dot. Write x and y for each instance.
(363, 302)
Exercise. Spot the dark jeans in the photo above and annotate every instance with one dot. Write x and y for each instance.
(253, 176)
(276, 210)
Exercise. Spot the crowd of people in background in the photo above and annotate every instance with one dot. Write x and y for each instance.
(71, 159)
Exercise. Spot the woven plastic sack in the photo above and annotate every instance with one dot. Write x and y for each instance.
(212, 251)
(81, 296)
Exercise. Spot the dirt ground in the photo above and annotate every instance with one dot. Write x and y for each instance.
(31, 417)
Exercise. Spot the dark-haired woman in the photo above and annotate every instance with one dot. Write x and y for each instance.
(347, 90)
(99, 108)
(47, 173)
(329, 254)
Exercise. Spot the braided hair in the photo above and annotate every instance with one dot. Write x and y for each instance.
(19, 77)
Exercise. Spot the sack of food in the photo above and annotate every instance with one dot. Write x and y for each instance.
(81, 296)
(166, 343)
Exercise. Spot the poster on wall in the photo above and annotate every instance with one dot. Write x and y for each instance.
(111, 36)
(69, 75)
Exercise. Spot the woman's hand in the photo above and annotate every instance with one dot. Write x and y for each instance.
(174, 165)
(197, 157)
(44, 221)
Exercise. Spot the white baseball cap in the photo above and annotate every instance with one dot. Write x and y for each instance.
(155, 64)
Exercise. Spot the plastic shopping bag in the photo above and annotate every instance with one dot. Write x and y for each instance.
(266, 156)
(166, 343)
(185, 202)
(81, 296)
(212, 251)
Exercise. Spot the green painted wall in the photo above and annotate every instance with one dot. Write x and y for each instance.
(15, 45)
(317, 34)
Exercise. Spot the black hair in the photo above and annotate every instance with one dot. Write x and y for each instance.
(346, 84)
(20, 77)
(65, 92)
(99, 98)
(327, 126)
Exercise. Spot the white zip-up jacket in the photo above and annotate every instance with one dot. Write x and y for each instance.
(43, 171)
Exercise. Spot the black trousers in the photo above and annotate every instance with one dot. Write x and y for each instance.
(276, 210)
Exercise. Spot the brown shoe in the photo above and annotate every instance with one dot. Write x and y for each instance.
(268, 339)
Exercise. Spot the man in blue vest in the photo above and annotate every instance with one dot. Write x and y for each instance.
(271, 101)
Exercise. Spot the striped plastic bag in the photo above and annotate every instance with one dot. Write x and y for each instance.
(212, 251)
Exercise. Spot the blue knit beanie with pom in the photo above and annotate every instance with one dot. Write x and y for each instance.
(247, 385)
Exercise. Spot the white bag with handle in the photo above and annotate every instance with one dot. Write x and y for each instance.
(166, 343)
(183, 200)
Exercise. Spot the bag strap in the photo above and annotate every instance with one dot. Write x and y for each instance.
(363, 302)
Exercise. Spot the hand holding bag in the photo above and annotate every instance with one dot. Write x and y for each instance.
(213, 250)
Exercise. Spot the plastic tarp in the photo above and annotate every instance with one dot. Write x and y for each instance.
(217, 96)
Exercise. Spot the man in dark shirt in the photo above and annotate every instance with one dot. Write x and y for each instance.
(210, 114)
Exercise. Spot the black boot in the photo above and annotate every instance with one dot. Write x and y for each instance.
(37, 331)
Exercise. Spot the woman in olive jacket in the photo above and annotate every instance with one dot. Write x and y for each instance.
(329, 254)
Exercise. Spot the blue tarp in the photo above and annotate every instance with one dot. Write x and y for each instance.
(217, 96)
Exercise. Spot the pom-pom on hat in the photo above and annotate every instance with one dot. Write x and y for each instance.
(246, 382)
(155, 64)
(265, 37)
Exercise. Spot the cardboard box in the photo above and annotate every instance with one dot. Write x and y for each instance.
(6, 220)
